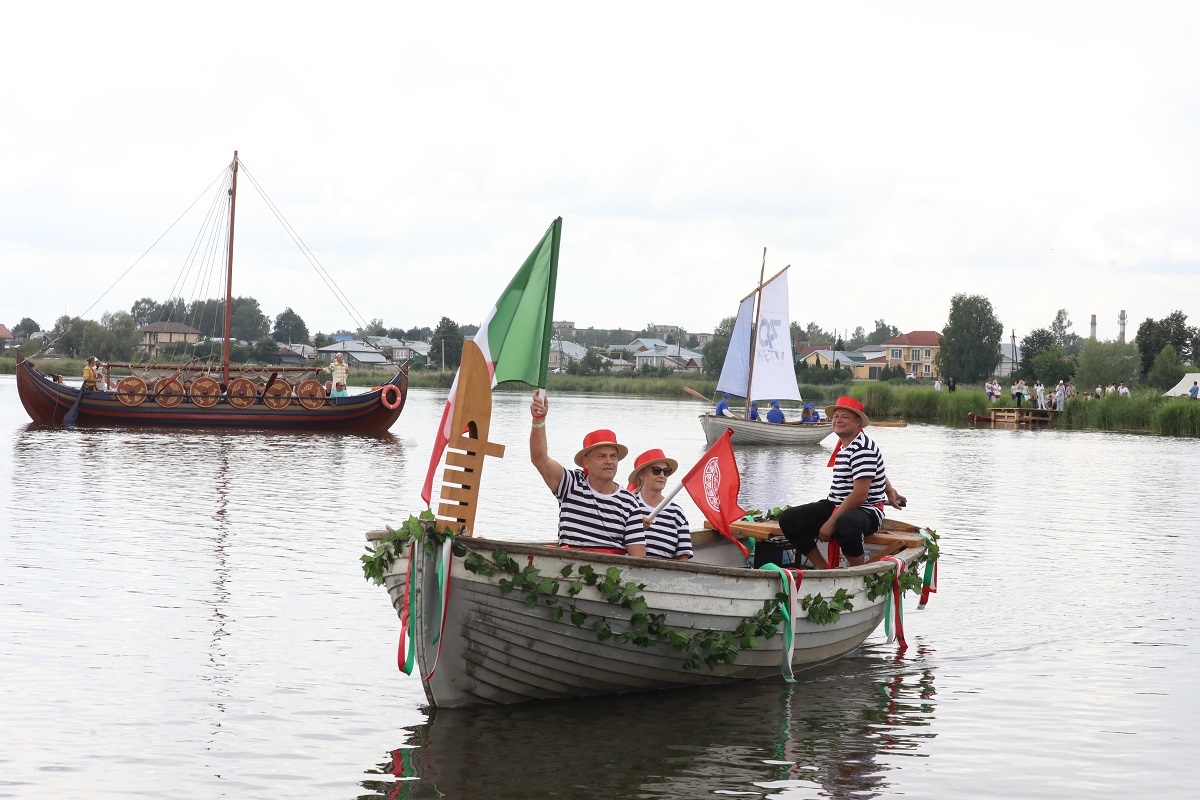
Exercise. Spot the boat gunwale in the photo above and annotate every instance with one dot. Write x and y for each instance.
(480, 543)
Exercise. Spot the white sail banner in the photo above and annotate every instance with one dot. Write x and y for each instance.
(735, 374)
(774, 368)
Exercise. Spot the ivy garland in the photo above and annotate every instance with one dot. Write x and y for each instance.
(706, 646)
(699, 647)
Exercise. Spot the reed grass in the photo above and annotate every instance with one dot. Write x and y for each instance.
(920, 403)
(1179, 416)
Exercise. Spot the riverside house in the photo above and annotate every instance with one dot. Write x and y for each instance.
(914, 351)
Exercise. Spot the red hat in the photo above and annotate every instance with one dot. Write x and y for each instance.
(646, 459)
(850, 404)
(597, 439)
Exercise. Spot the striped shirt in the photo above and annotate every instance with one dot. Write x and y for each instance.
(860, 459)
(667, 536)
(587, 518)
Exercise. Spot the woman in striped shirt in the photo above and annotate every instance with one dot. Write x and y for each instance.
(854, 507)
(594, 511)
(668, 535)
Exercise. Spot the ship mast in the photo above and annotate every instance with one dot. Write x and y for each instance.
(754, 332)
(229, 275)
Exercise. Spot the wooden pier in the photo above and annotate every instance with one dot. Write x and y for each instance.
(1016, 417)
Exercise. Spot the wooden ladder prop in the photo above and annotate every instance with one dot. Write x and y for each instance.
(468, 444)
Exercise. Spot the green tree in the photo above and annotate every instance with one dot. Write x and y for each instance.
(145, 311)
(247, 322)
(1153, 335)
(857, 339)
(373, 328)
(1070, 343)
(68, 335)
(174, 310)
(418, 334)
(882, 332)
(713, 354)
(266, 351)
(25, 327)
(1052, 365)
(692, 342)
(113, 339)
(970, 348)
(815, 334)
(320, 340)
(1102, 363)
(1167, 370)
(1031, 347)
(290, 328)
(445, 348)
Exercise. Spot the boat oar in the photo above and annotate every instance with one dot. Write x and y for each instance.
(270, 381)
(73, 414)
(899, 424)
(696, 394)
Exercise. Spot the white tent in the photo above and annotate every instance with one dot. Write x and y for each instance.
(1184, 386)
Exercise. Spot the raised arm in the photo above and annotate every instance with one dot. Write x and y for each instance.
(550, 470)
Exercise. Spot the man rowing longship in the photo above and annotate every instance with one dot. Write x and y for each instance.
(594, 511)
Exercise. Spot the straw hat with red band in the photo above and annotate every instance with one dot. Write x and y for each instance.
(646, 459)
(600, 438)
(850, 404)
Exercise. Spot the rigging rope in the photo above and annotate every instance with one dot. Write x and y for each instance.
(304, 250)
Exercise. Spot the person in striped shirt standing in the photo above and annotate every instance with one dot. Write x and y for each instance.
(594, 512)
(854, 507)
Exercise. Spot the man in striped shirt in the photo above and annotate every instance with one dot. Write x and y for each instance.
(854, 507)
(594, 511)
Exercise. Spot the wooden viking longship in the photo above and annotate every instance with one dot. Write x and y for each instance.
(200, 394)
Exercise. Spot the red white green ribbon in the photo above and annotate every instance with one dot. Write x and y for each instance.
(408, 626)
(893, 607)
(929, 584)
(408, 615)
(445, 562)
(790, 585)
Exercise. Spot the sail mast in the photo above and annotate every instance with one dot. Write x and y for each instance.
(229, 275)
(754, 331)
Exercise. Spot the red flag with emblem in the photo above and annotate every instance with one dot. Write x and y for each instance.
(713, 485)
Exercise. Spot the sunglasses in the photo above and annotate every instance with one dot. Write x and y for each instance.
(661, 470)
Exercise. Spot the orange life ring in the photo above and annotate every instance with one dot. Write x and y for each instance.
(383, 397)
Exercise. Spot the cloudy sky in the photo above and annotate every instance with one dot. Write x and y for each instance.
(1042, 154)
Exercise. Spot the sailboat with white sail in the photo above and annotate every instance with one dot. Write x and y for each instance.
(759, 365)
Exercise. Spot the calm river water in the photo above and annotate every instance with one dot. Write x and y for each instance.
(182, 615)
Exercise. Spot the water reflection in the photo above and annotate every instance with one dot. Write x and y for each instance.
(835, 734)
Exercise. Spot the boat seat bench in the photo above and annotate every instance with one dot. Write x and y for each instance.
(893, 537)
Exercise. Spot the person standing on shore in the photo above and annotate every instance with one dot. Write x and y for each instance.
(1194, 392)
(1060, 396)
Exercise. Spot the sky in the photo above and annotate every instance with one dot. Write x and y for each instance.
(1041, 154)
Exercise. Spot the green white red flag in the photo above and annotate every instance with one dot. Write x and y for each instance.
(515, 336)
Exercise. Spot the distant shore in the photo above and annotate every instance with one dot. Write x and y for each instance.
(1145, 411)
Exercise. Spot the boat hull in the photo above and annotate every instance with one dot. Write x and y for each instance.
(496, 649)
(746, 432)
(47, 402)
